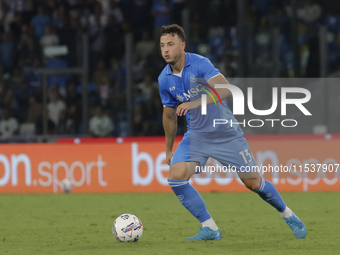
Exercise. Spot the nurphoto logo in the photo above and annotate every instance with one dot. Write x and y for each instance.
(238, 105)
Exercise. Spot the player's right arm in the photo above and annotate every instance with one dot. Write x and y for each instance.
(169, 115)
(170, 129)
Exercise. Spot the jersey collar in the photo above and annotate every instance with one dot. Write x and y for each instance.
(187, 63)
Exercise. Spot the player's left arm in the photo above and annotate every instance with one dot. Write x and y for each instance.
(224, 93)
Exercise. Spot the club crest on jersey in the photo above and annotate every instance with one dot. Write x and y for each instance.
(179, 98)
(192, 78)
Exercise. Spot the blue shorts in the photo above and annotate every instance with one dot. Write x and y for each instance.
(234, 153)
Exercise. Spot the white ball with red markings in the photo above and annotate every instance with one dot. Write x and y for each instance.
(66, 186)
(127, 228)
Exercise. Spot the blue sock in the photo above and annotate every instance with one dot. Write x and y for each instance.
(269, 193)
(190, 198)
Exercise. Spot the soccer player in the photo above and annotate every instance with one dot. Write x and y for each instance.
(225, 144)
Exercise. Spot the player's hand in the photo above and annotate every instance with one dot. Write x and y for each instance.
(183, 108)
(168, 157)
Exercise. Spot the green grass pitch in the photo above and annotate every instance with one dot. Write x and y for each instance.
(81, 224)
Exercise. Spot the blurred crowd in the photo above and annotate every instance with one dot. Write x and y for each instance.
(32, 29)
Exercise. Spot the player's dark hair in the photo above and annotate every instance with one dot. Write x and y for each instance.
(173, 29)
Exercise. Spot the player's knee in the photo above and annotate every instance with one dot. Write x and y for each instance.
(178, 174)
(252, 183)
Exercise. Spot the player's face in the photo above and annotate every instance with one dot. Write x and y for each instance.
(172, 47)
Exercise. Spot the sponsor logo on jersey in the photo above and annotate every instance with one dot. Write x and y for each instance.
(179, 98)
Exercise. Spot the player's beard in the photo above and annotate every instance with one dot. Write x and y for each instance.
(174, 61)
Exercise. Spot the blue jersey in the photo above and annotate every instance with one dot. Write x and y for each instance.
(174, 90)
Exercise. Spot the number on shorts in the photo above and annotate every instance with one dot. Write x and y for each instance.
(245, 153)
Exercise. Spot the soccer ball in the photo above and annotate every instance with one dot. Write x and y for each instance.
(66, 186)
(127, 228)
